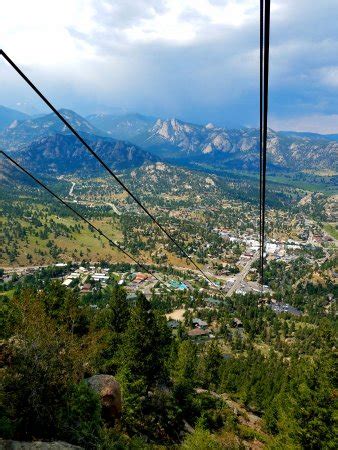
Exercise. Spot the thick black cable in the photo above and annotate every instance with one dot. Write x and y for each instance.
(40, 183)
(261, 52)
(87, 146)
(266, 49)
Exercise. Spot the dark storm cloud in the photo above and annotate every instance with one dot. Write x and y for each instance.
(122, 13)
(205, 69)
(199, 80)
(215, 76)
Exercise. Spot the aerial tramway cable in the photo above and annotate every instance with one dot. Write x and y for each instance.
(261, 43)
(264, 96)
(106, 167)
(264, 84)
(40, 183)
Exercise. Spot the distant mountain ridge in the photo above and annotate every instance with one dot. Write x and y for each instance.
(126, 126)
(183, 143)
(8, 115)
(64, 153)
(46, 145)
(11, 175)
(308, 134)
(21, 132)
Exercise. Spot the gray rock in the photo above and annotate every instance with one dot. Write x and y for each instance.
(36, 445)
(110, 394)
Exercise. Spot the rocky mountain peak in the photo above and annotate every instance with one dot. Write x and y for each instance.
(22, 132)
(14, 124)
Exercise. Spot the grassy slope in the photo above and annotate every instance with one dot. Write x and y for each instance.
(98, 248)
(331, 229)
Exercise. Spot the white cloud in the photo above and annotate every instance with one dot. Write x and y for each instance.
(35, 32)
(197, 59)
(329, 76)
(44, 32)
(181, 21)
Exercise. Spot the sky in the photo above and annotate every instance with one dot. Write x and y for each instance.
(197, 60)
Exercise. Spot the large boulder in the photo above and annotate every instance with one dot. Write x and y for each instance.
(110, 394)
(37, 445)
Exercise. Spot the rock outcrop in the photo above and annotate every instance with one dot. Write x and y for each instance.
(110, 394)
(36, 445)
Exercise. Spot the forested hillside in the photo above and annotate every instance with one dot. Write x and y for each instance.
(273, 386)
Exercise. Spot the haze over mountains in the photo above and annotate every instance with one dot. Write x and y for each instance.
(8, 115)
(131, 140)
(22, 132)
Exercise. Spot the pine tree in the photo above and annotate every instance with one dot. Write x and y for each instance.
(113, 321)
(119, 312)
(185, 368)
(210, 365)
(141, 352)
(305, 409)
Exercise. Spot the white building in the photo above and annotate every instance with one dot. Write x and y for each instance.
(271, 248)
(100, 277)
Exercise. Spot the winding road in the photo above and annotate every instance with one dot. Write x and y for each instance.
(71, 189)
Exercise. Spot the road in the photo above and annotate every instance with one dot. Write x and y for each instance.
(71, 194)
(241, 275)
(71, 189)
(238, 279)
(22, 269)
(116, 211)
(223, 278)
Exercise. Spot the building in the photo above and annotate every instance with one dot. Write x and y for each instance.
(86, 288)
(199, 323)
(212, 302)
(140, 278)
(100, 277)
(198, 333)
(179, 285)
(173, 324)
(280, 308)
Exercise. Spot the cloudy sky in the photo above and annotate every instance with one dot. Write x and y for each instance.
(193, 59)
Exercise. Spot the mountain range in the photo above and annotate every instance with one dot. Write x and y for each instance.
(130, 140)
(64, 153)
(20, 133)
(184, 142)
(8, 116)
(126, 127)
